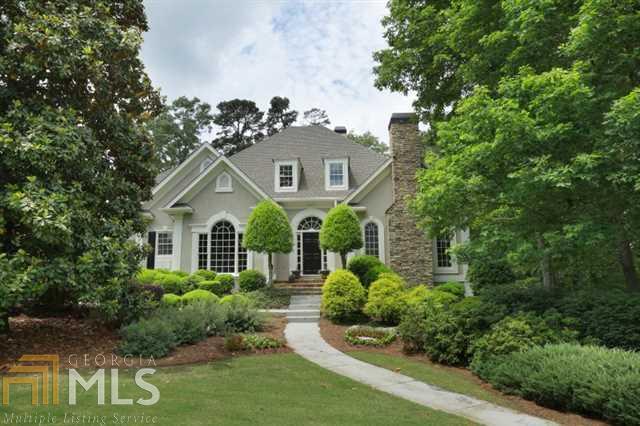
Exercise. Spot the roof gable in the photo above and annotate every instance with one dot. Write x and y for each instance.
(310, 146)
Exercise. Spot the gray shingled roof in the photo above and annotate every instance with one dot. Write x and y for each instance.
(310, 145)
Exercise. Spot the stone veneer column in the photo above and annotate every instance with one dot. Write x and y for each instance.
(410, 251)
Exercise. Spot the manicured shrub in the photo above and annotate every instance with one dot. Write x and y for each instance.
(181, 274)
(206, 274)
(369, 336)
(251, 280)
(154, 292)
(147, 276)
(187, 324)
(217, 286)
(457, 289)
(385, 301)
(361, 264)
(226, 284)
(207, 285)
(520, 332)
(374, 273)
(191, 282)
(148, 338)
(342, 295)
(199, 295)
(341, 232)
(235, 298)
(170, 299)
(171, 283)
(125, 303)
(595, 381)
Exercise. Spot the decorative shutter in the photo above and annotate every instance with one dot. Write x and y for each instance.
(151, 259)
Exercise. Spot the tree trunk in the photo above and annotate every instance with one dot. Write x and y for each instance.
(270, 279)
(545, 266)
(4, 323)
(343, 259)
(628, 266)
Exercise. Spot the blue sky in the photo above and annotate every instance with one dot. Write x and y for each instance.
(317, 53)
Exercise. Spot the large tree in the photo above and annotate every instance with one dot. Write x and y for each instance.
(369, 140)
(279, 116)
(75, 159)
(178, 130)
(241, 125)
(529, 105)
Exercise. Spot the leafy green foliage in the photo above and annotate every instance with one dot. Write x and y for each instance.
(253, 342)
(316, 117)
(240, 315)
(455, 288)
(360, 266)
(178, 128)
(520, 332)
(240, 122)
(485, 273)
(251, 280)
(342, 296)
(149, 338)
(369, 140)
(340, 232)
(268, 231)
(374, 273)
(600, 382)
(269, 298)
(75, 160)
(206, 274)
(199, 295)
(170, 299)
(279, 116)
(385, 302)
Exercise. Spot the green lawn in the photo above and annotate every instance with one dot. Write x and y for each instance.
(281, 389)
(434, 375)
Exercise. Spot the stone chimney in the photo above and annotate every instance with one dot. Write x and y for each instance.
(410, 251)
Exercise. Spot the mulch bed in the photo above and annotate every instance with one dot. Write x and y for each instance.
(334, 335)
(83, 343)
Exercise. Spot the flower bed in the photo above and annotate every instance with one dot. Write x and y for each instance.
(370, 336)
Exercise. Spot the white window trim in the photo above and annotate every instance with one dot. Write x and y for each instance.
(294, 166)
(453, 269)
(219, 187)
(345, 171)
(173, 248)
(380, 235)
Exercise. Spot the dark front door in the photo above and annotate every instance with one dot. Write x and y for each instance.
(311, 254)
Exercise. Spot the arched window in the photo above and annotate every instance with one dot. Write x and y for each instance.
(223, 183)
(371, 239)
(223, 248)
(311, 223)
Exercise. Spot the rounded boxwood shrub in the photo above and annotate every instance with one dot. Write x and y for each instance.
(226, 284)
(361, 264)
(206, 274)
(385, 302)
(457, 289)
(374, 273)
(170, 299)
(199, 295)
(208, 285)
(191, 282)
(147, 276)
(251, 280)
(342, 295)
(235, 299)
(148, 338)
(171, 283)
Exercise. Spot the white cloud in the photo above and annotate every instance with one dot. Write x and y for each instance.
(317, 53)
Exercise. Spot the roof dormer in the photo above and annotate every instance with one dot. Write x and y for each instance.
(336, 174)
(286, 175)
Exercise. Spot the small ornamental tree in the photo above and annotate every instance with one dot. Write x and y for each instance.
(341, 232)
(268, 231)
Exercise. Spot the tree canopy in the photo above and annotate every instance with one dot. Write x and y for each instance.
(241, 125)
(316, 117)
(179, 129)
(532, 108)
(340, 232)
(268, 231)
(75, 159)
(279, 116)
(369, 140)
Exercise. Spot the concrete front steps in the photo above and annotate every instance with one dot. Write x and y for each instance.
(304, 308)
(303, 286)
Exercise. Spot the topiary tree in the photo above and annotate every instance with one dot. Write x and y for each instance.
(342, 296)
(268, 231)
(341, 232)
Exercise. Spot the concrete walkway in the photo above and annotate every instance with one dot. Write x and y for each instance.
(305, 339)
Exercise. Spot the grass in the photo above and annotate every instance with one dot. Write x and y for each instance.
(280, 389)
(434, 375)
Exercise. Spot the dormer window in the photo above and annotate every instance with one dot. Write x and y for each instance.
(336, 175)
(223, 183)
(286, 178)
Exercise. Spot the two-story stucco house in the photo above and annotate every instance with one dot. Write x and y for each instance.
(200, 209)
